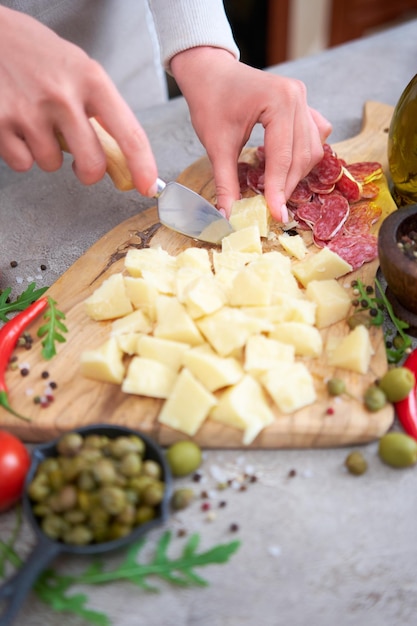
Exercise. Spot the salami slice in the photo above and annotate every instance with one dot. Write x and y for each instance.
(334, 213)
(355, 249)
(309, 212)
(361, 217)
(302, 193)
(256, 179)
(318, 186)
(242, 173)
(365, 171)
(349, 187)
(370, 190)
(329, 169)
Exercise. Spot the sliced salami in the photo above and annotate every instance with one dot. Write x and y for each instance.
(349, 187)
(256, 179)
(365, 171)
(242, 173)
(309, 212)
(370, 190)
(302, 193)
(329, 169)
(318, 186)
(333, 214)
(361, 217)
(355, 249)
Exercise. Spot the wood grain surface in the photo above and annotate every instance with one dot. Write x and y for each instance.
(80, 401)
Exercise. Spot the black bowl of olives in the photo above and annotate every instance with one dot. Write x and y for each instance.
(93, 490)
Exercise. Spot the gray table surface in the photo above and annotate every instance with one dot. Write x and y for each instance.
(320, 548)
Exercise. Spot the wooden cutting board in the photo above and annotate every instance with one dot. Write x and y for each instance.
(79, 401)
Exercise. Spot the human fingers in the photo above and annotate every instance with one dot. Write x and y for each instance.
(15, 152)
(120, 122)
(224, 164)
(323, 125)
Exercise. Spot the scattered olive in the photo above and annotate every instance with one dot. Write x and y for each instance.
(398, 449)
(374, 398)
(181, 498)
(336, 386)
(356, 463)
(397, 383)
(184, 457)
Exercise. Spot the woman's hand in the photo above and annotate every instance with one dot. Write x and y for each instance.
(226, 99)
(49, 87)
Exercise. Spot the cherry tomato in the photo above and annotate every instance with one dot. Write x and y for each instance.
(14, 465)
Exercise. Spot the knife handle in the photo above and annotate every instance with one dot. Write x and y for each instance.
(117, 167)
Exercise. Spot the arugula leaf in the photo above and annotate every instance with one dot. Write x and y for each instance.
(52, 330)
(55, 589)
(21, 303)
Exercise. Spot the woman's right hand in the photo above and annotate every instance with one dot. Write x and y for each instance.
(49, 87)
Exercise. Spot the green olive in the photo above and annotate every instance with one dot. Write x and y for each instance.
(374, 398)
(69, 444)
(184, 457)
(356, 463)
(181, 498)
(398, 450)
(336, 386)
(397, 383)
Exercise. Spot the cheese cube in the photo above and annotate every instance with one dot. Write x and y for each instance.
(262, 353)
(249, 211)
(246, 240)
(232, 260)
(321, 266)
(296, 309)
(163, 279)
(135, 322)
(294, 245)
(173, 322)
(248, 288)
(306, 339)
(127, 342)
(353, 352)
(141, 294)
(166, 351)
(104, 363)
(212, 370)
(228, 329)
(332, 301)
(203, 296)
(109, 301)
(197, 258)
(146, 377)
(276, 267)
(290, 385)
(138, 259)
(244, 406)
(188, 404)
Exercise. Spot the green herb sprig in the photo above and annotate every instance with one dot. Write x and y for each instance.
(377, 307)
(26, 298)
(54, 589)
(52, 330)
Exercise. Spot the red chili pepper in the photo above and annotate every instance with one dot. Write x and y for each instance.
(406, 409)
(9, 334)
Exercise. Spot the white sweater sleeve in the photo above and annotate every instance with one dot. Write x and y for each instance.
(183, 24)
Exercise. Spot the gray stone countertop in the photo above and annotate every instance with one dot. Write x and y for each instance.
(318, 546)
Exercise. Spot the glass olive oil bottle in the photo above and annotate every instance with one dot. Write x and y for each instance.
(402, 146)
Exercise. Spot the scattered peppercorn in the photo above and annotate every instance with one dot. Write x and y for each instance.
(292, 473)
(24, 371)
(222, 504)
(13, 263)
(45, 374)
(330, 410)
(234, 528)
(43, 267)
(205, 506)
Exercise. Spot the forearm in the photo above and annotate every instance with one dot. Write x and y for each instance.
(185, 24)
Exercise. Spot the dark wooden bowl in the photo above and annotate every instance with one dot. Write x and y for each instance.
(399, 271)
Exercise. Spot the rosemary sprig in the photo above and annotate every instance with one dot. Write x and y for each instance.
(52, 330)
(54, 589)
(26, 298)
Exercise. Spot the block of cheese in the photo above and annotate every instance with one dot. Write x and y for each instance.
(244, 406)
(173, 322)
(141, 294)
(248, 211)
(321, 266)
(290, 385)
(294, 245)
(332, 301)
(110, 300)
(197, 258)
(203, 296)
(135, 322)
(104, 363)
(229, 328)
(147, 377)
(139, 259)
(127, 342)
(262, 353)
(188, 404)
(166, 351)
(212, 370)
(353, 352)
(249, 288)
(245, 240)
(305, 338)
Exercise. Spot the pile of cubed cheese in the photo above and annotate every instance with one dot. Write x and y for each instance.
(224, 335)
